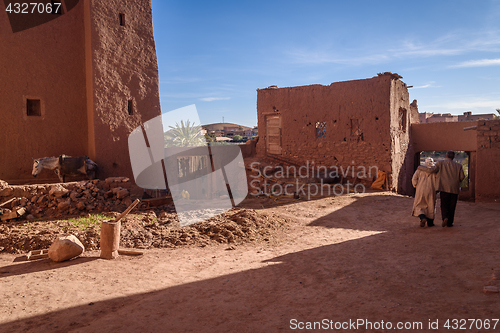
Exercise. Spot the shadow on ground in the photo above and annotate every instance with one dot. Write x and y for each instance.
(403, 273)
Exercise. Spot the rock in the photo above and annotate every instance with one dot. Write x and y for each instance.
(65, 248)
(74, 195)
(64, 205)
(127, 201)
(122, 194)
(6, 192)
(80, 205)
(116, 190)
(42, 199)
(163, 215)
(58, 192)
(30, 217)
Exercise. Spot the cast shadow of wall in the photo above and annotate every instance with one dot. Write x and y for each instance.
(374, 276)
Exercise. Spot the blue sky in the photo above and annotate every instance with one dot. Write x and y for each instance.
(215, 54)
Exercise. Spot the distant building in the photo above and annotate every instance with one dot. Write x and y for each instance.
(468, 116)
(426, 117)
(228, 129)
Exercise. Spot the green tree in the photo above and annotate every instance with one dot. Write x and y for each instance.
(184, 135)
(237, 137)
(498, 111)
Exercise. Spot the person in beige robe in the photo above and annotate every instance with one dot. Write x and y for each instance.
(425, 196)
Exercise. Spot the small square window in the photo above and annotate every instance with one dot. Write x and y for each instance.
(321, 129)
(122, 19)
(33, 107)
(130, 107)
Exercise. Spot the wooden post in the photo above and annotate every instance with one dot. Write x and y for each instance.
(110, 239)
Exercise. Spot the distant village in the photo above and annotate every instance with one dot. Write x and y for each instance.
(426, 117)
(228, 132)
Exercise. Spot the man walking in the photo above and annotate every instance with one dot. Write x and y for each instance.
(450, 174)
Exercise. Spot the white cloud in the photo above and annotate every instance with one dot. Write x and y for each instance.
(421, 87)
(211, 99)
(428, 85)
(447, 45)
(478, 63)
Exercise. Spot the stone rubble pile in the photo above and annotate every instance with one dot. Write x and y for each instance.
(68, 198)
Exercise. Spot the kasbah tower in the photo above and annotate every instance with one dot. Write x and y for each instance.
(75, 82)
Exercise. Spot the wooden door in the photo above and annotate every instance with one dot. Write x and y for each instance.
(273, 134)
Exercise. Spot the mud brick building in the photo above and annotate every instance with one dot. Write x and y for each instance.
(75, 82)
(361, 123)
(368, 123)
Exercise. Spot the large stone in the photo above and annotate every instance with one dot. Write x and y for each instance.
(127, 201)
(80, 205)
(64, 205)
(65, 248)
(122, 194)
(58, 192)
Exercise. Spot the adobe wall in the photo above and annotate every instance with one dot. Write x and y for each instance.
(369, 104)
(488, 161)
(46, 62)
(123, 68)
(444, 136)
(402, 156)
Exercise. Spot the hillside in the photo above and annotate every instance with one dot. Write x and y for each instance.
(220, 126)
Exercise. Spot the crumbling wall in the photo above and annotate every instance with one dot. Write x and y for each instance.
(402, 115)
(488, 161)
(359, 118)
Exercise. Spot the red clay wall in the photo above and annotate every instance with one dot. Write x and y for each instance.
(401, 115)
(358, 117)
(488, 161)
(444, 136)
(46, 62)
(85, 67)
(123, 67)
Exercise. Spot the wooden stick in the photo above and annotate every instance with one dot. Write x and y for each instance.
(130, 252)
(132, 206)
(6, 202)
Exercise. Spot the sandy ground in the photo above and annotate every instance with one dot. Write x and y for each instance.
(342, 259)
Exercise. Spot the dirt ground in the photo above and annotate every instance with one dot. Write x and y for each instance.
(335, 260)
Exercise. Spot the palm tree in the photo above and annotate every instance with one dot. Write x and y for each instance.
(184, 135)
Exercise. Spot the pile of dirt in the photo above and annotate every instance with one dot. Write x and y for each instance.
(146, 230)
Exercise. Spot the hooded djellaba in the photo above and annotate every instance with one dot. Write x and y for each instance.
(425, 196)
